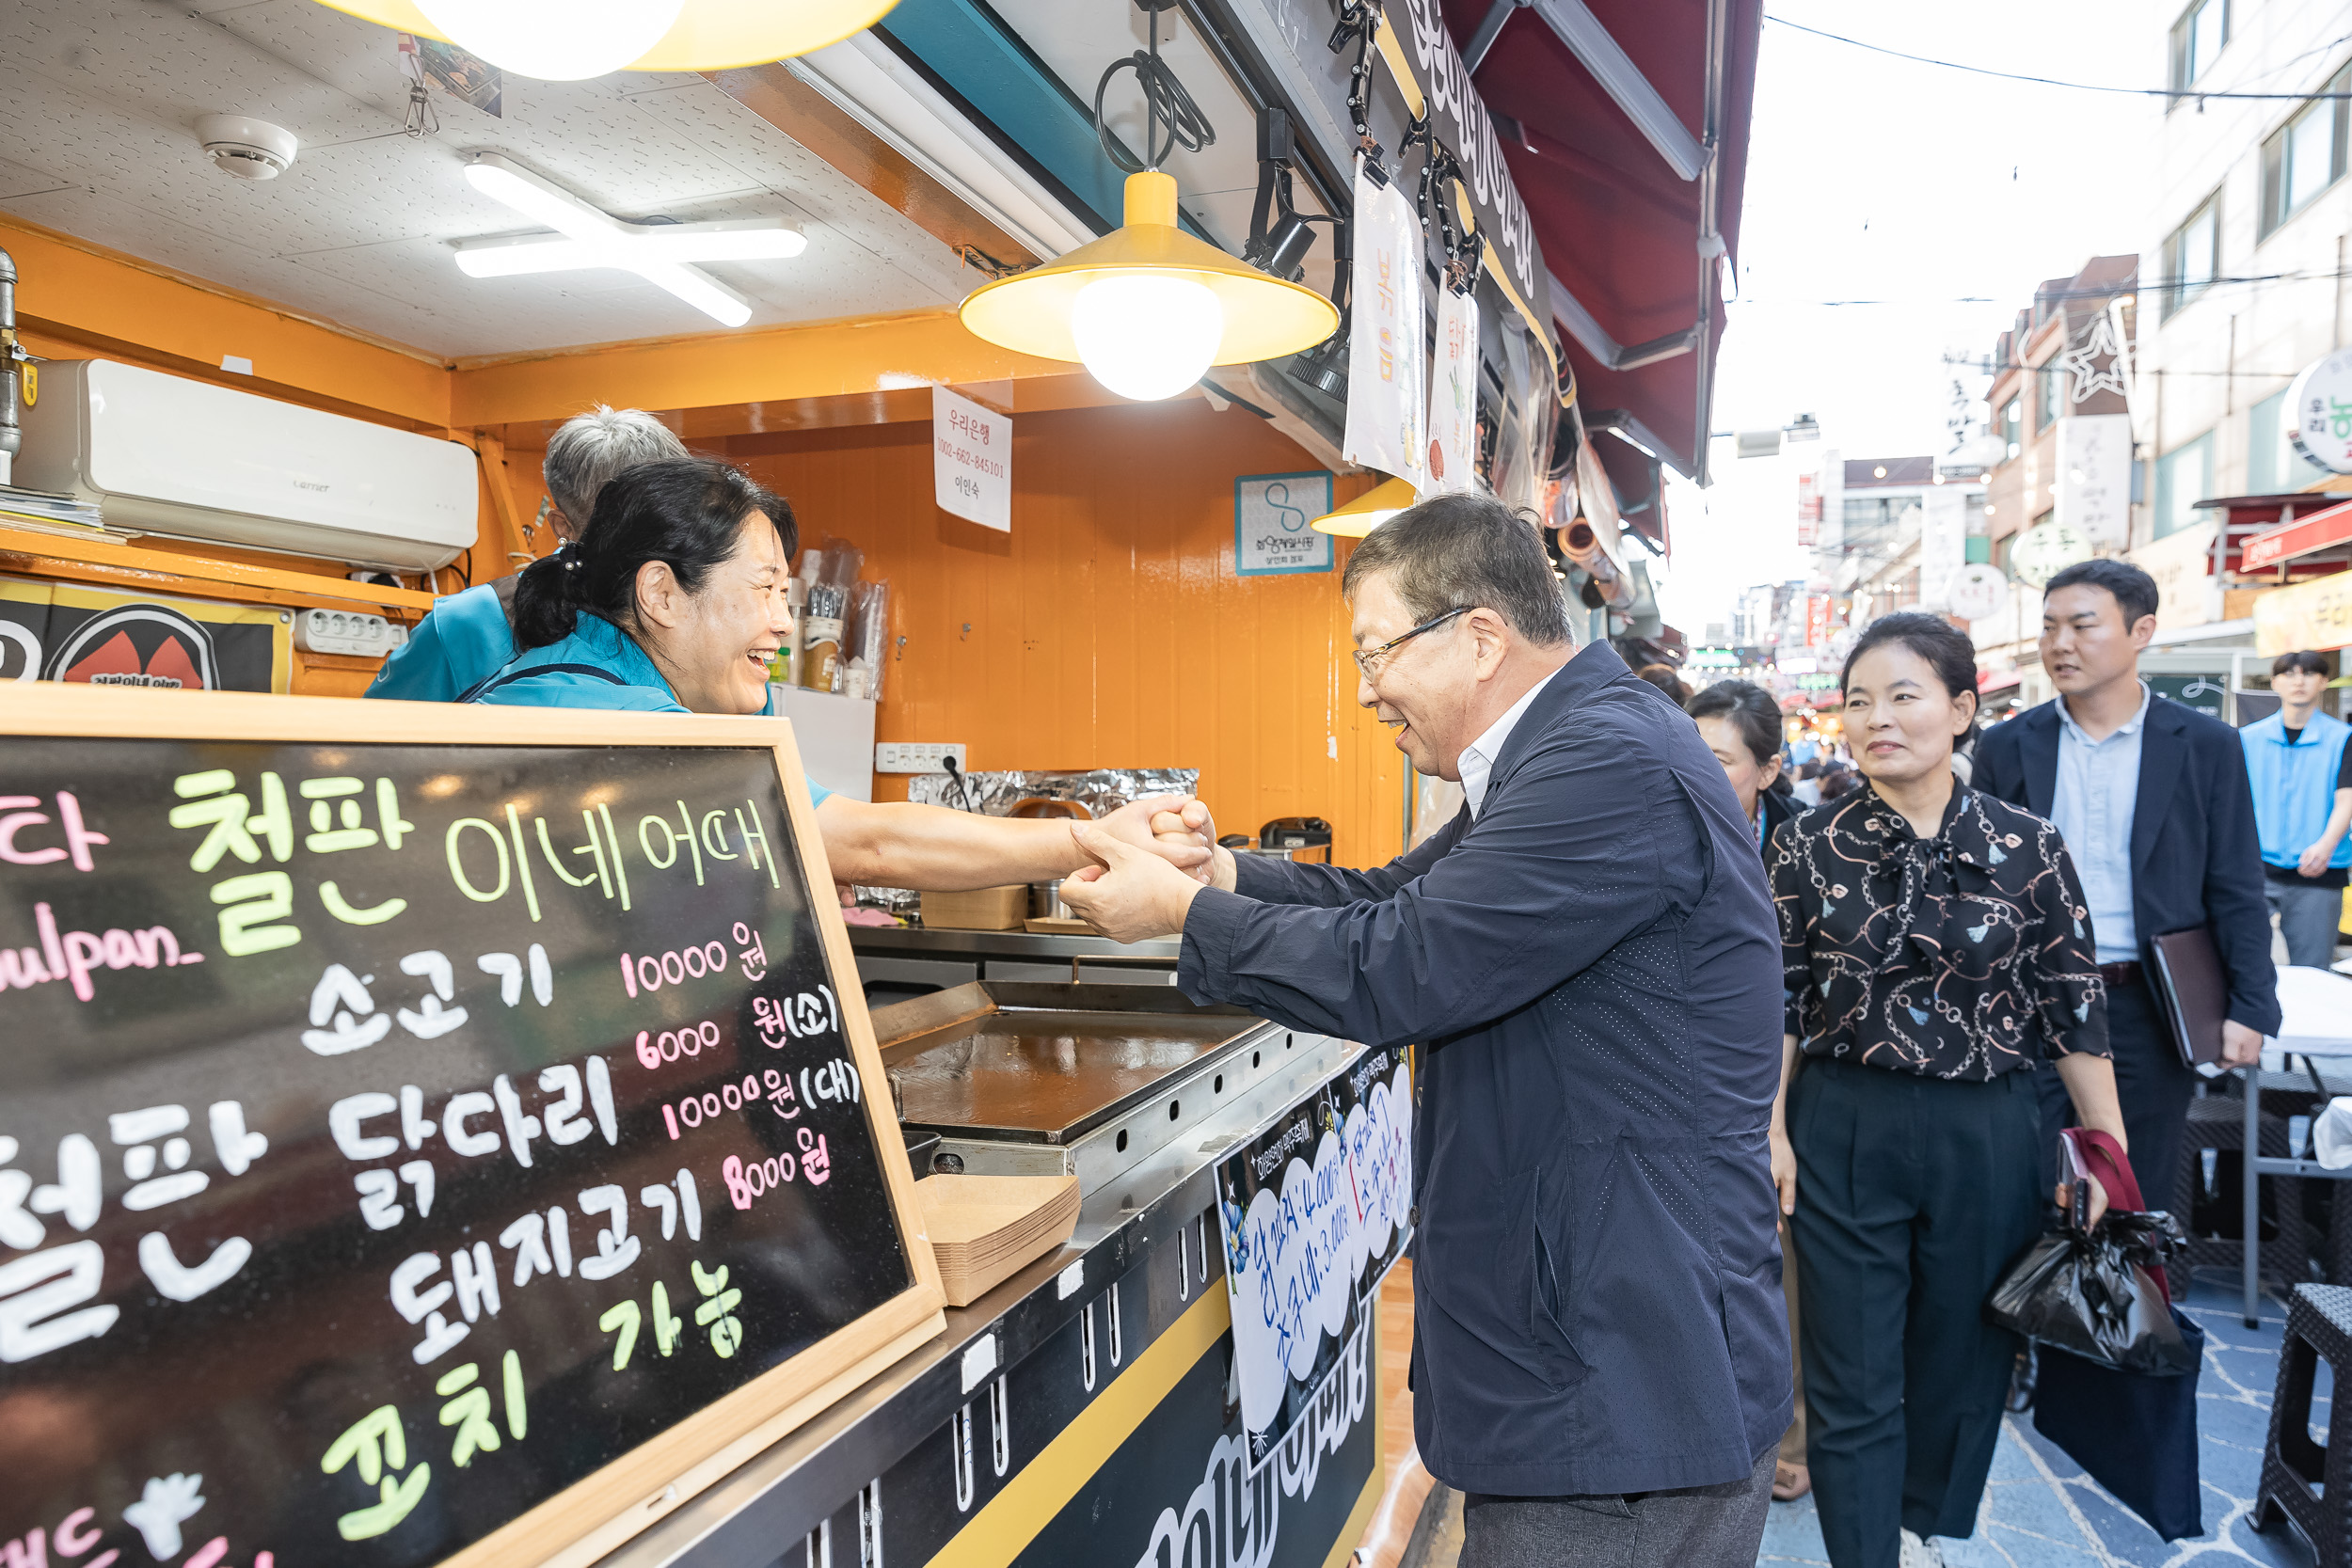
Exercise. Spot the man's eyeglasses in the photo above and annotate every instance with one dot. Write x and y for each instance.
(1369, 659)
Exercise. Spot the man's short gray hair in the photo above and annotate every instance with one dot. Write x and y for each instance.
(592, 448)
(1465, 551)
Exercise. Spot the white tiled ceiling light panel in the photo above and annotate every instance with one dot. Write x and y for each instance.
(97, 119)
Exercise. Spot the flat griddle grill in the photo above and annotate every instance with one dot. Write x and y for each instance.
(1047, 1064)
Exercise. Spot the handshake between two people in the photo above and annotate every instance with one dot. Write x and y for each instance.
(1151, 860)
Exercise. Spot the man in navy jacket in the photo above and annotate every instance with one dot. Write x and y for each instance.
(1588, 957)
(2154, 802)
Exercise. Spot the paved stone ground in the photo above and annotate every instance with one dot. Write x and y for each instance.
(2041, 1511)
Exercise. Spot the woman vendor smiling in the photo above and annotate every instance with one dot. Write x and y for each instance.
(672, 601)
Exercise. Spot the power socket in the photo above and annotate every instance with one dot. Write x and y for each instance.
(338, 632)
(917, 756)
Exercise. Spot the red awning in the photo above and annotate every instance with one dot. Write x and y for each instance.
(1605, 140)
(2320, 531)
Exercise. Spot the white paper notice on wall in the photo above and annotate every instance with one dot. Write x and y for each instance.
(1387, 378)
(972, 460)
(1453, 397)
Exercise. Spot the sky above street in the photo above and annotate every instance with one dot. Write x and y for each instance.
(1942, 197)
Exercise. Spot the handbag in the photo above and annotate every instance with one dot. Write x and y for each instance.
(2120, 1397)
(2098, 1291)
(2134, 1435)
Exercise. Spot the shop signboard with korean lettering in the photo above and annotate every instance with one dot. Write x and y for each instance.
(2320, 401)
(1942, 544)
(2095, 476)
(2316, 615)
(2046, 549)
(1315, 1210)
(1271, 518)
(426, 1134)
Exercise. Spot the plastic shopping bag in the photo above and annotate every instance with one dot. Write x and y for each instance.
(2095, 1291)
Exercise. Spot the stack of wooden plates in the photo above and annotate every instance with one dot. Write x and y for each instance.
(984, 1228)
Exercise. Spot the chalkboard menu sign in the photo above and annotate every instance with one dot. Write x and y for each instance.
(427, 1134)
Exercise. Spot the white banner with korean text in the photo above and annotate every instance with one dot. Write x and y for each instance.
(1387, 375)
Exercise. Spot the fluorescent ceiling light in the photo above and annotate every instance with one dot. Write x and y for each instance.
(585, 236)
(734, 240)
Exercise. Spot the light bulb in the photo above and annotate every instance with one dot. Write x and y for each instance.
(554, 41)
(1146, 336)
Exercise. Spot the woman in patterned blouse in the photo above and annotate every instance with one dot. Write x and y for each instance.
(1937, 950)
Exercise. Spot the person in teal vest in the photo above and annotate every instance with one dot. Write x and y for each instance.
(467, 637)
(672, 601)
(2301, 771)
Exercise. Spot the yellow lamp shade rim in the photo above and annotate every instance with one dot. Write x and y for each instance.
(709, 34)
(1266, 317)
(1368, 511)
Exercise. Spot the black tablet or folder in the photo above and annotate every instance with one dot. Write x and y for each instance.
(2195, 994)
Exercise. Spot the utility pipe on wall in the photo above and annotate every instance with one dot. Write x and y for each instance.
(1580, 544)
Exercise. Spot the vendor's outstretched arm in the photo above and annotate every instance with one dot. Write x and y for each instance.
(934, 850)
(1282, 882)
(1560, 869)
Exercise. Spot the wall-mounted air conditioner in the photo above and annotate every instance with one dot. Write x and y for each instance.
(163, 454)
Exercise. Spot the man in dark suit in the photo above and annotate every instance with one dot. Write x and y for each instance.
(2153, 799)
(1588, 953)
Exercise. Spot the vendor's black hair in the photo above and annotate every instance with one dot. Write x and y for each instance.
(2305, 659)
(1752, 711)
(687, 512)
(1944, 646)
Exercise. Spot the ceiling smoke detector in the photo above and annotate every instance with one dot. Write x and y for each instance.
(247, 147)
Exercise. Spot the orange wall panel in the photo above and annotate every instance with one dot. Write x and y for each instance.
(1110, 628)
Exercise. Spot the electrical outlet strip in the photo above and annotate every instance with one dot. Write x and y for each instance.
(916, 756)
(338, 632)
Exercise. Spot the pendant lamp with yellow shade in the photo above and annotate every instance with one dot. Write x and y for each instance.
(559, 40)
(1368, 511)
(1148, 308)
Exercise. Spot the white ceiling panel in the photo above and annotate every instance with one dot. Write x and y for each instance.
(98, 112)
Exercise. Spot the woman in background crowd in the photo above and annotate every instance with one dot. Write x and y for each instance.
(1740, 724)
(1937, 950)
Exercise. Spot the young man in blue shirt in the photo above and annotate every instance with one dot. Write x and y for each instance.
(2302, 777)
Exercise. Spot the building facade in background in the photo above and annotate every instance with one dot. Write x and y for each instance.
(2243, 285)
(2059, 481)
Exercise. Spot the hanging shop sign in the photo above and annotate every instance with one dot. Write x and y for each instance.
(1314, 1210)
(1808, 510)
(1454, 396)
(972, 460)
(1977, 591)
(1436, 87)
(2041, 552)
(1942, 544)
(2307, 615)
(1387, 378)
(2095, 476)
(2321, 399)
(1271, 516)
(62, 631)
(458, 1136)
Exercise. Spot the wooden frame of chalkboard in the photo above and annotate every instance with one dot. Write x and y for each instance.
(563, 1516)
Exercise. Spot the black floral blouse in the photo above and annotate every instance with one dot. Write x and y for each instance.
(1965, 956)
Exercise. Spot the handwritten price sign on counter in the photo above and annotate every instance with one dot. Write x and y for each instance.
(1313, 1212)
(395, 1136)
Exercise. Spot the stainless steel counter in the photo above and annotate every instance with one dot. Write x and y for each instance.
(903, 962)
(917, 1454)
